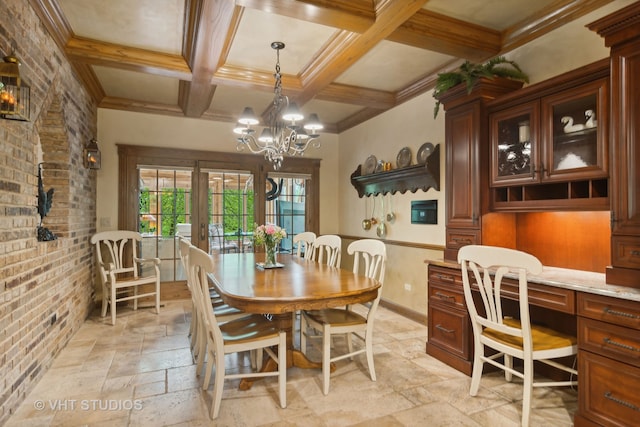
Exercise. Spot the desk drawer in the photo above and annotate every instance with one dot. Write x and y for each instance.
(617, 342)
(449, 277)
(450, 329)
(610, 390)
(613, 310)
(448, 295)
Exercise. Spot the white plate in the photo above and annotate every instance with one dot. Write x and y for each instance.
(404, 158)
(424, 152)
(370, 165)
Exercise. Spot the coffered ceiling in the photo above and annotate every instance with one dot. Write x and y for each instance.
(347, 60)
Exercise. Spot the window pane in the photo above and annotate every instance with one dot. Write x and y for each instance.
(287, 207)
(165, 210)
(231, 213)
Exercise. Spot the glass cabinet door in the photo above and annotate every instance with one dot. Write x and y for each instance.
(514, 145)
(575, 135)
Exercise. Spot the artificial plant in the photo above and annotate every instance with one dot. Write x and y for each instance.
(469, 74)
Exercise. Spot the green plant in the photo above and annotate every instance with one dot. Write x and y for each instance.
(469, 74)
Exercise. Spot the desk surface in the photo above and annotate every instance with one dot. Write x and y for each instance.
(299, 285)
(577, 280)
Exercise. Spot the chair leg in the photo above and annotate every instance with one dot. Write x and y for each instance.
(282, 369)
(105, 298)
(508, 362)
(369, 345)
(218, 384)
(326, 358)
(477, 370)
(303, 331)
(113, 305)
(527, 391)
(135, 300)
(157, 298)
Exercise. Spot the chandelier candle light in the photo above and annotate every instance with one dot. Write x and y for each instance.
(269, 235)
(285, 133)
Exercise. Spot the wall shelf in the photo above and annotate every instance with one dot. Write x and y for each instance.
(412, 178)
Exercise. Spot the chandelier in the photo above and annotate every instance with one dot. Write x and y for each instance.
(285, 133)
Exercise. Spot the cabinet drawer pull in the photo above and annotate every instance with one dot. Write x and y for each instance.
(445, 330)
(619, 344)
(609, 395)
(445, 296)
(461, 240)
(445, 278)
(607, 310)
(635, 253)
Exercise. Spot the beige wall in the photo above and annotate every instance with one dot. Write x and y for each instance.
(119, 127)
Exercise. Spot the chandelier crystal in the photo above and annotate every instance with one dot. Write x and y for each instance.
(285, 133)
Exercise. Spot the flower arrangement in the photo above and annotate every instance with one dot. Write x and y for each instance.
(269, 235)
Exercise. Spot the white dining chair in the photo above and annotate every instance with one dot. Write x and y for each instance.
(122, 272)
(483, 269)
(223, 311)
(327, 249)
(249, 333)
(369, 259)
(304, 243)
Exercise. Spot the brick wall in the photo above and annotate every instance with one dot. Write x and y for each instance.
(45, 287)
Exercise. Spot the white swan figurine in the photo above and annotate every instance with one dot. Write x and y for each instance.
(591, 119)
(569, 126)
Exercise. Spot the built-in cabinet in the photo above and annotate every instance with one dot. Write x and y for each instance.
(467, 156)
(608, 362)
(559, 137)
(621, 31)
(549, 144)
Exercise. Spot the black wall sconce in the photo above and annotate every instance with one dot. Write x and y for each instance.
(91, 155)
(15, 96)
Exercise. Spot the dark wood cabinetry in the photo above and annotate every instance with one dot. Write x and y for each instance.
(549, 144)
(621, 31)
(467, 152)
(608, 362)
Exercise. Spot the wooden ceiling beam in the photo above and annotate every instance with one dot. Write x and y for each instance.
(432, 31)
(208, 26)
(127, 58)
(346, 48)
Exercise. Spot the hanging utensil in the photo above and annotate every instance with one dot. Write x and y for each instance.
(366, 223)
(381, 230)
(390, 215)
(374, 220)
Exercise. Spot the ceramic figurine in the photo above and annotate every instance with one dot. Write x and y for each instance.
(590, 115)
(569, 126)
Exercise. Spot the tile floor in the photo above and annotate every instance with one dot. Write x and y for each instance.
(140, 373)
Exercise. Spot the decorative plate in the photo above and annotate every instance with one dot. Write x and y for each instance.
(370, 165)
(404, 158)
(380, 166)
(424, 152)
(263, 266)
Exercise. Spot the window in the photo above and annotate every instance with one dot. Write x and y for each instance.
(286, 205)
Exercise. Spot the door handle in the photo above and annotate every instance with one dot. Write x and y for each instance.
(203, 235)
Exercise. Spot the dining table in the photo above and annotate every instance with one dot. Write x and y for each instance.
(296, 284)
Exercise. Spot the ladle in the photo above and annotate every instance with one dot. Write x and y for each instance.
(381, 230)
(366, 223)
(390, 215)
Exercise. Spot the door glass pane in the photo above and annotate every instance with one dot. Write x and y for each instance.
(285, 206)
(231, 211)
(164, 211)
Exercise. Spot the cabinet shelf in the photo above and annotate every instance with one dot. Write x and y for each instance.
(412, 178)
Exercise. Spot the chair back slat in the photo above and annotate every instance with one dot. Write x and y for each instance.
(304, 242)
(327, 246)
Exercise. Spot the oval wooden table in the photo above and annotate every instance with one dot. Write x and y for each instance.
(298, 285)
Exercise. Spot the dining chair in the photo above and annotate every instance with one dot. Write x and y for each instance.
(329, 246)
(249, 333)
(222, 310)
(122, 272)
(303, 242)
(512, 336)
(369, 259)
(217, 242)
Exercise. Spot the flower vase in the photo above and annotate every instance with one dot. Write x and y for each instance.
(270, 260)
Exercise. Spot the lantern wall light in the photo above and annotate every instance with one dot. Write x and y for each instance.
(15, 96)
(91, 155)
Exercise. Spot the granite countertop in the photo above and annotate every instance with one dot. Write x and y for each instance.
(577, 280)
